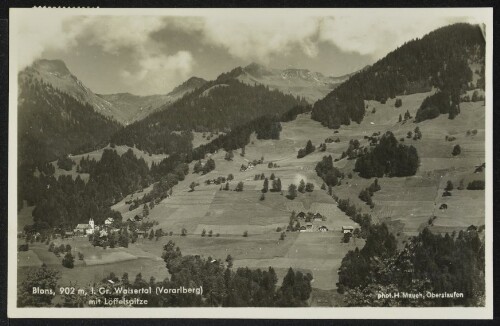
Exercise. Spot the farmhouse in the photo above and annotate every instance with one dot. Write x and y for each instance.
(303, 229)
(81, 229)
(443, 206)
(301, 215)
(309, 227)
(347, 229)
(323, 228)
(318, 217)
(109, 221)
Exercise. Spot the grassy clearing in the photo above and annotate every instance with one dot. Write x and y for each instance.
(412, 201)
(28, 259)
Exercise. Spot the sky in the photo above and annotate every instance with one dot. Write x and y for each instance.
(151, 54)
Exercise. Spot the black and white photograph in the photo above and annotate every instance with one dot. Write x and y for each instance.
(312, 160)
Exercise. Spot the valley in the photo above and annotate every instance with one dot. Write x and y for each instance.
(310, 190)
(405, 204)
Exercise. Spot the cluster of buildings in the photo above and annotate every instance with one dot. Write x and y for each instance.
(90, 228)
(309, 218)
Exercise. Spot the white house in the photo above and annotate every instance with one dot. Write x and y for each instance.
(109, 221)
(347, 229)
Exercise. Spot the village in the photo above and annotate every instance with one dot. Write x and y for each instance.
(310, 223)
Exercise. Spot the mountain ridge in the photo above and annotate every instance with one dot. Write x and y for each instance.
(295, 81)
(123, 107)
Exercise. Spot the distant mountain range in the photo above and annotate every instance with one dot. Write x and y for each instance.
(125, 108)
(298, 82)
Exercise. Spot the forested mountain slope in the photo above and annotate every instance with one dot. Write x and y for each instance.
(221, 104)
(441, 59)
(53, 123)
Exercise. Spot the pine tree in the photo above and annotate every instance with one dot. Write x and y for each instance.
(302, 186)
(309, 147)
(278, 185)
(292, 191)
(229, 261)
(125, 280)
(265, 186)
(68, 260)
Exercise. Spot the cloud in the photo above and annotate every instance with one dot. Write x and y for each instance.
(256, 36)
(159, 73)
(381, 31)
(36, 32)
(118, 32)
(152, 71)
(367, 32)
(253, 37)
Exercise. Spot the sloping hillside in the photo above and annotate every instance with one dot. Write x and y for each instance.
(212, 107)
(53, 123)
(441, 59)
(56, 74)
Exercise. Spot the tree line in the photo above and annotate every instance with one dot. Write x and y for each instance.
(427, 263)
(223, 286)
